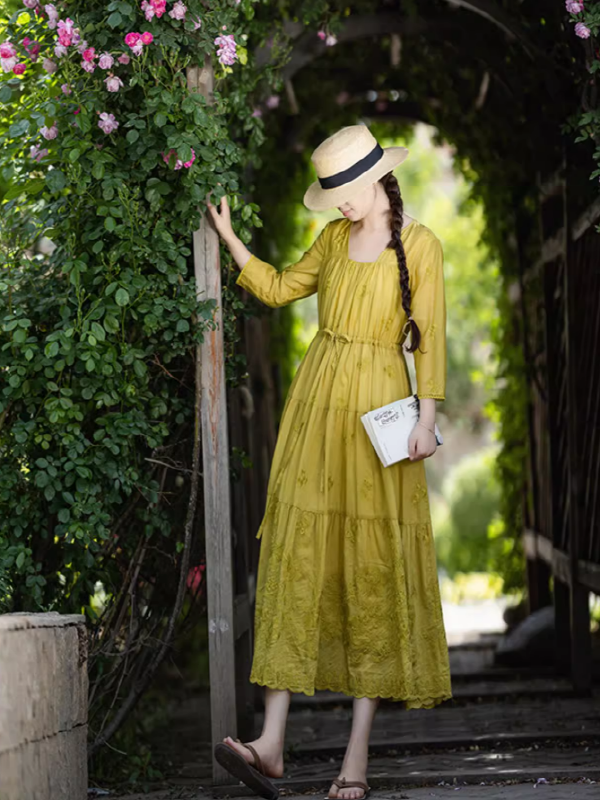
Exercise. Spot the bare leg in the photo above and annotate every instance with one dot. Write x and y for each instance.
(356, 759)
(269, 744)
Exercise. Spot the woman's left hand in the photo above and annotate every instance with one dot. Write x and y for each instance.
(421, 443)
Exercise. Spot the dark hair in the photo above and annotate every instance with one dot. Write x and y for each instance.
(390, 184)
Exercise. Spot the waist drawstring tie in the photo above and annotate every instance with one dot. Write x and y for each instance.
(343, 338)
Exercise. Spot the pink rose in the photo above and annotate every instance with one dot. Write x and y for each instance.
(331, 40)
(189, 163)
(137, 48)
(106, 61)
(272, 101)
(113, 83)
(60, 50)
(89, 54)
(66, 31)
(53, 15)
(38, 154)
(147, 37)
(197, 23)
(19, 69)
(49, 133)
(148, 10)
(7, 50)
(8, 64)
(131, 39)
(582, 31)
(322, 35)
(66, 89)
(257, 112)
(88, 66)
(123, 59)
(30, 3)
(178, 10)
(574, 7)
(107, 122)
(226, 49)
(49, 66)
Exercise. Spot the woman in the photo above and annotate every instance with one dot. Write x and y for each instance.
(347, 591)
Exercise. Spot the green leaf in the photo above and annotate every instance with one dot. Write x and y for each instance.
(56, 180)
(49, 492)
(111, 324)
(115, 19)
(182, 325)
(160, 119)
(110, 224)
(18, 129)
(64, 515)
(5, 94)
(74, 155)
(98, 331)
(122, 297)
(51, 349)
(133, 136)
(36, 186)
(20, 559)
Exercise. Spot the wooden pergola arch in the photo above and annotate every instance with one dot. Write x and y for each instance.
(229, 617)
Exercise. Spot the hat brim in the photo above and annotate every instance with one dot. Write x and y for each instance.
(318, 199)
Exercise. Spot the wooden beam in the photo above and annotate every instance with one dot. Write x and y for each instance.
(581, 641)
(307, 46)
(585, 220)
(215, 456)
(535, 545)
(589, 575)
(498, 17)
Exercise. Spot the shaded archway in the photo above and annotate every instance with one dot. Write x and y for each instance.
(498, 88)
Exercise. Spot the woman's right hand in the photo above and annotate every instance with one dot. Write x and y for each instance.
(222, 222)
(221, 218)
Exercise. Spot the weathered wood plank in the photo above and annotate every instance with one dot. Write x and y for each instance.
(215, 455)
(581, 643)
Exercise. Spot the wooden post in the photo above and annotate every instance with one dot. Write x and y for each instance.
(215, 458)
(581, 642)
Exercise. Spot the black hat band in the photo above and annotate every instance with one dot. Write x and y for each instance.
(353, 172)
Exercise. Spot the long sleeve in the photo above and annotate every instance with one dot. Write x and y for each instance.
(428, 308)
(294, 282)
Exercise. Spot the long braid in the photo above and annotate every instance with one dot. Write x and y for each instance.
(390, 184)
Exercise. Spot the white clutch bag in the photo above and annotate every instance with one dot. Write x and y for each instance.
(390, 426)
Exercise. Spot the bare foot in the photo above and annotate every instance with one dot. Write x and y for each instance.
(272, 759)
(350, 793)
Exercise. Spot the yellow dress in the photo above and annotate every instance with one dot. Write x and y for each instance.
(347, 589)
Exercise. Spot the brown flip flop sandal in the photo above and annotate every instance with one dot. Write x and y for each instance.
(342, 783)
(251, 776)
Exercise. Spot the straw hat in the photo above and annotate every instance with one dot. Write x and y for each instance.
(347, 162)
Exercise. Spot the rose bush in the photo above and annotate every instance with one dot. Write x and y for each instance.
(106, 160)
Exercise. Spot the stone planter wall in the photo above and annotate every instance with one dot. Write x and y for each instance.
(43, 707)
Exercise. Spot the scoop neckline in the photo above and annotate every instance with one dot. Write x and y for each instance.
(347, 246)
